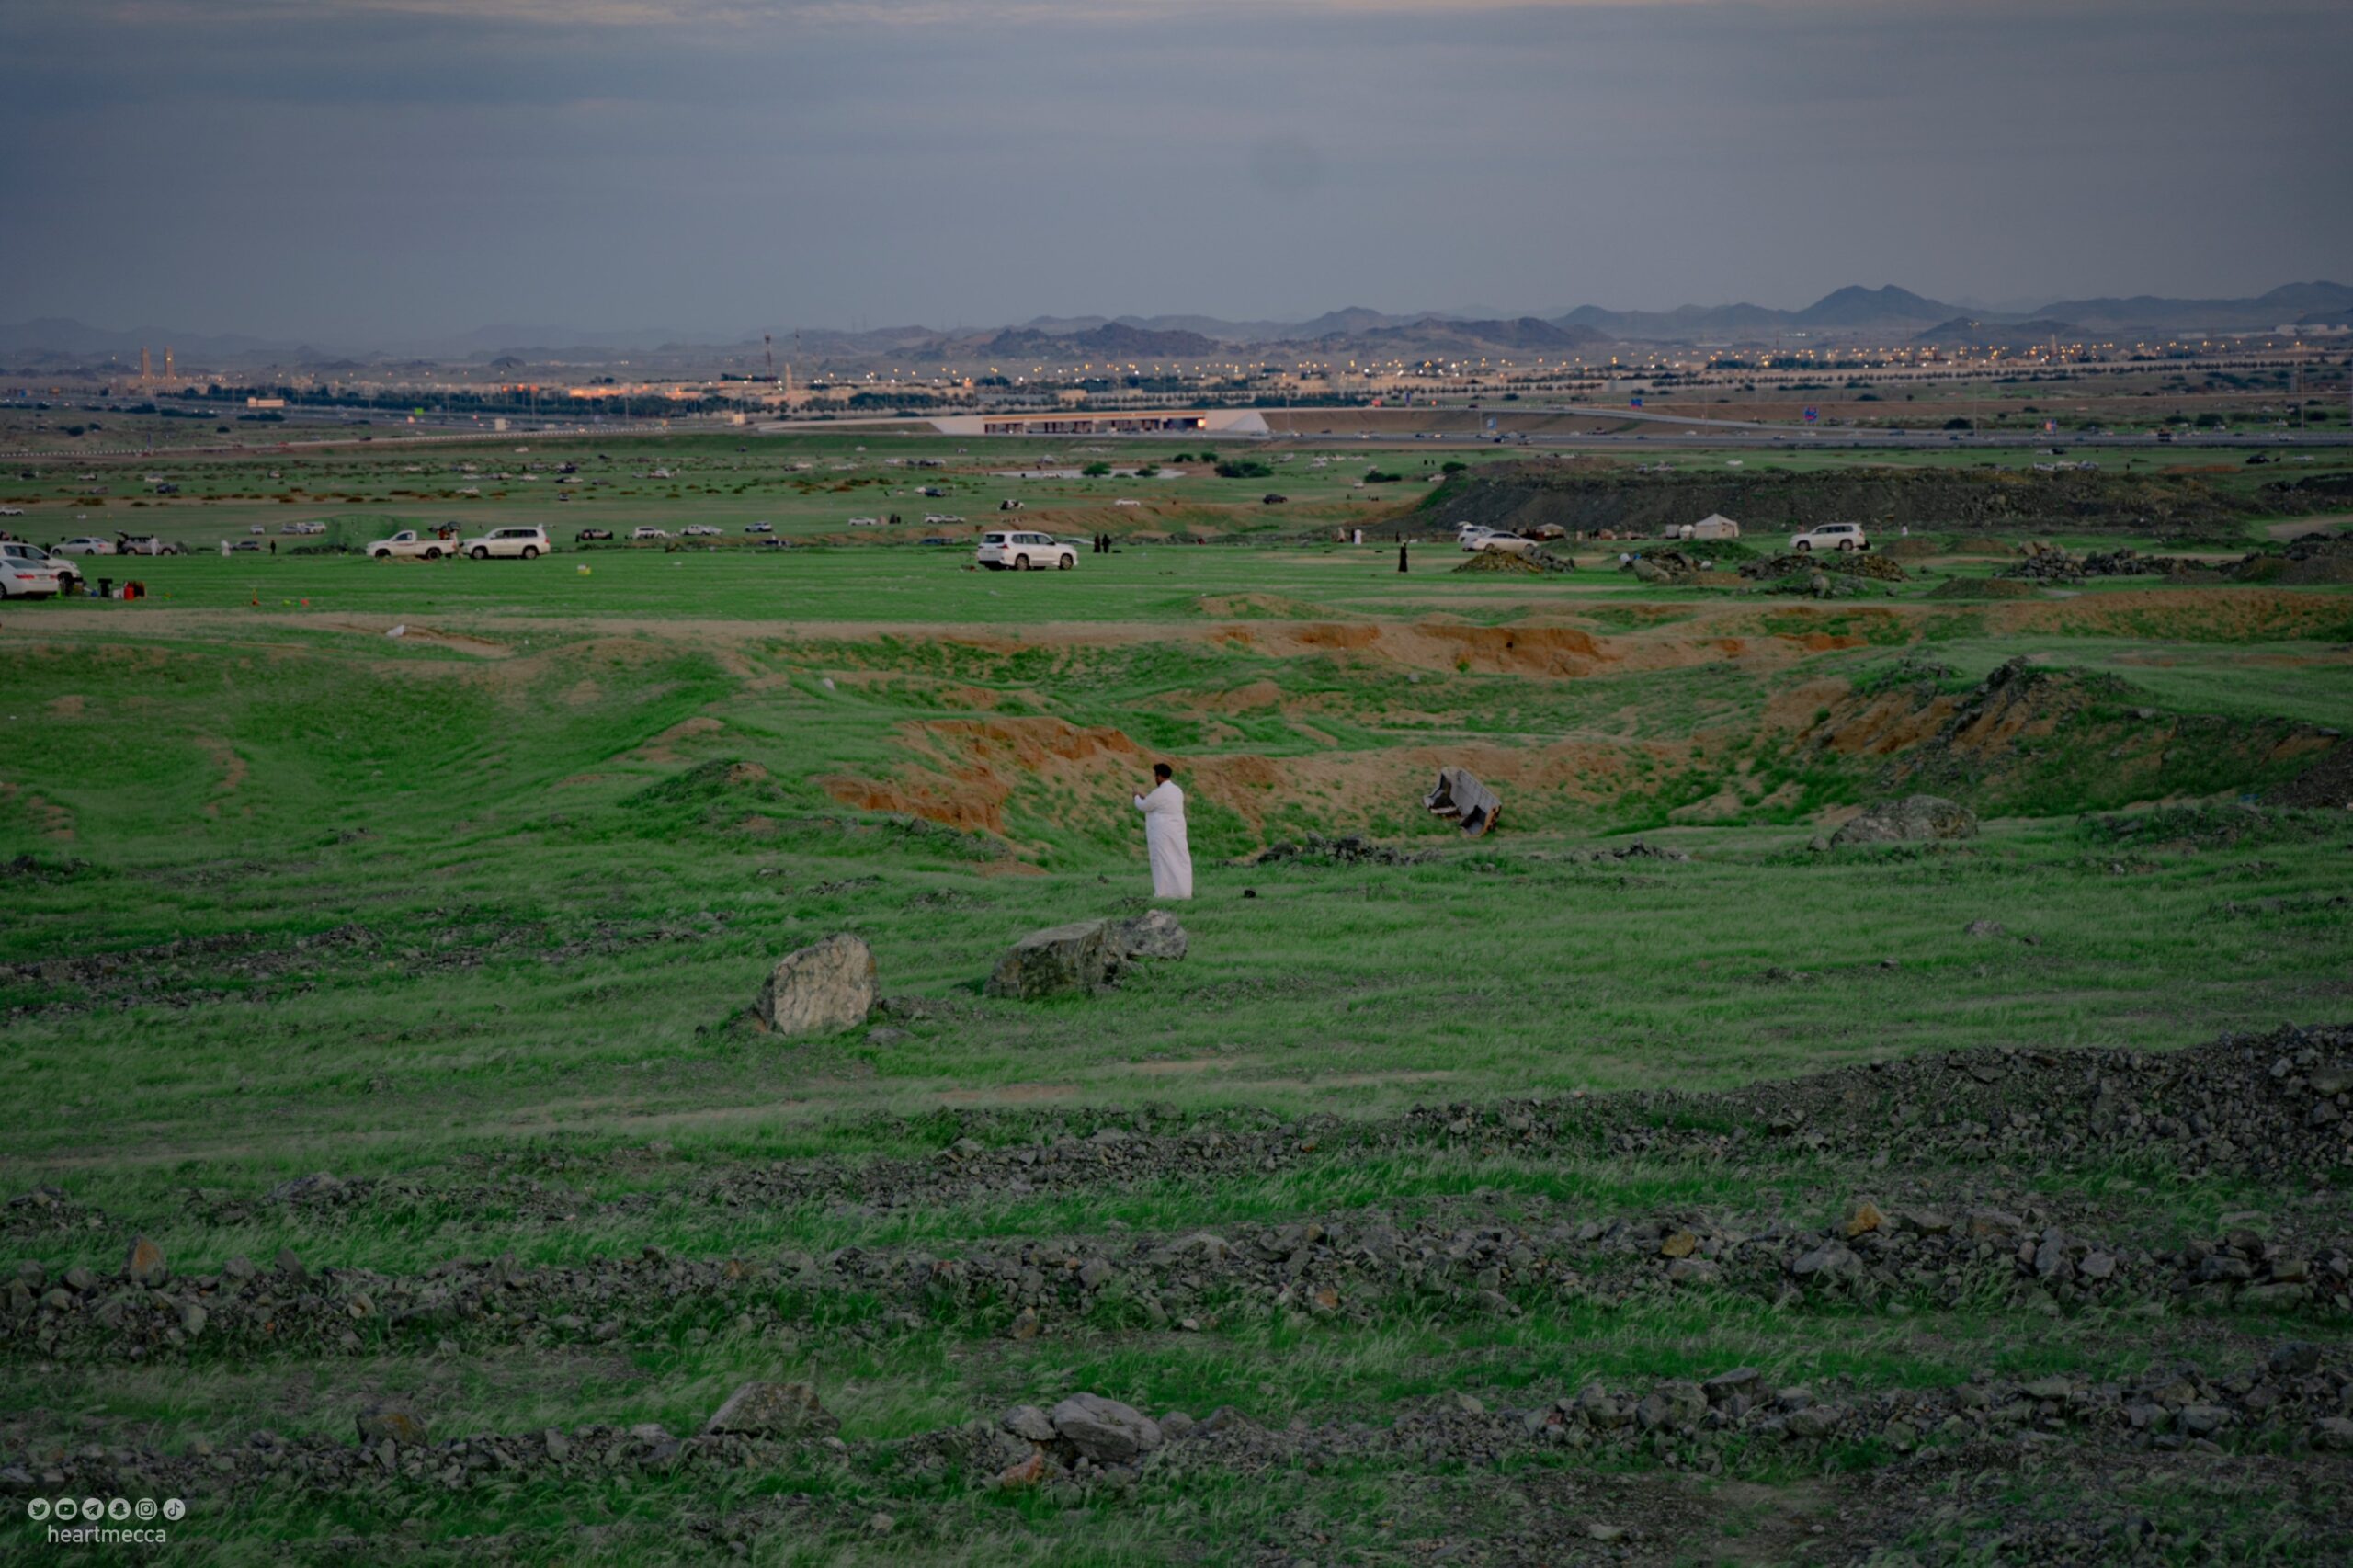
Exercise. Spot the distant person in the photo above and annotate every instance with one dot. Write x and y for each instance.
(1163, 837)
(1400, 555)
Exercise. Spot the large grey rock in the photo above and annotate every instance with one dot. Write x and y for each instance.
(1083, 956)
(1154, 934)
(1915, 819)
(822, 989)
(1104, 1430)
(770, 1410)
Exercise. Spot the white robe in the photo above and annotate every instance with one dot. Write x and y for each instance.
(1164, 836)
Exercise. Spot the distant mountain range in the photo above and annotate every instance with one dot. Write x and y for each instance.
(1879, 316)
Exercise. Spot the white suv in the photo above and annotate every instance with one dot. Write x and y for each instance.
(1830, 536)
(520, 544)
(1023, 550)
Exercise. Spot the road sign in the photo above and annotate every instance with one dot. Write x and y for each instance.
(1812, 415)
(1638, 403)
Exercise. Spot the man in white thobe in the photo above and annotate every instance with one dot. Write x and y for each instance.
(1164, 836)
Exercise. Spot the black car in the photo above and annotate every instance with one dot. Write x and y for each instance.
(586, 535)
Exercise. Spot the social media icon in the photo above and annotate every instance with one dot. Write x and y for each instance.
(37, 1508)
(93, 1508)
(68, 1510)
(145, 1508)
(174, 1508)
(117, 1508)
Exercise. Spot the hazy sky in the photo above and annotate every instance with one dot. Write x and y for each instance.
(361, 171)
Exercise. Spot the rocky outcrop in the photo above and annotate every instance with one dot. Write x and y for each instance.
(1915, 819)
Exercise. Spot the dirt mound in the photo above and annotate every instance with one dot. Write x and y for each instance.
(1834, 562)
(1248, 607)
(2052, 562)
(2328, 782)
(2046, 742)
(1911, 547)
(1348, 849)
(2311, 560)
(1514, 563)
(1521, 496)
(1982, 588)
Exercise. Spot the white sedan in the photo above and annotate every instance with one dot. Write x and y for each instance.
(24, 577)
(646, 530)
(86, 546)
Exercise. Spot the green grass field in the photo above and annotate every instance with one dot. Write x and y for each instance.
(471, 917)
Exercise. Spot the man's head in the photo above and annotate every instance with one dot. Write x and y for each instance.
(1160, 771)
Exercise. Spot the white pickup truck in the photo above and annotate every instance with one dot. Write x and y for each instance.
(411, 544)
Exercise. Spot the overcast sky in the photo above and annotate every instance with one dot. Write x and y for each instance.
(372, 170)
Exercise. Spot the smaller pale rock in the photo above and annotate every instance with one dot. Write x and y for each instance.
(1028, 1421)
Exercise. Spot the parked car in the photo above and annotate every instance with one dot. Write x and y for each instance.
(586, 535)
(866, 522)
(30, 576)
(148, 544)
(87, 546)
(1022, 551)
(700, 530)
(647, 530)
(15, 553)
(13, 511)
(759, 527)
(409, 544)
(246, 544)
(517, 543)
(1830, 536)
